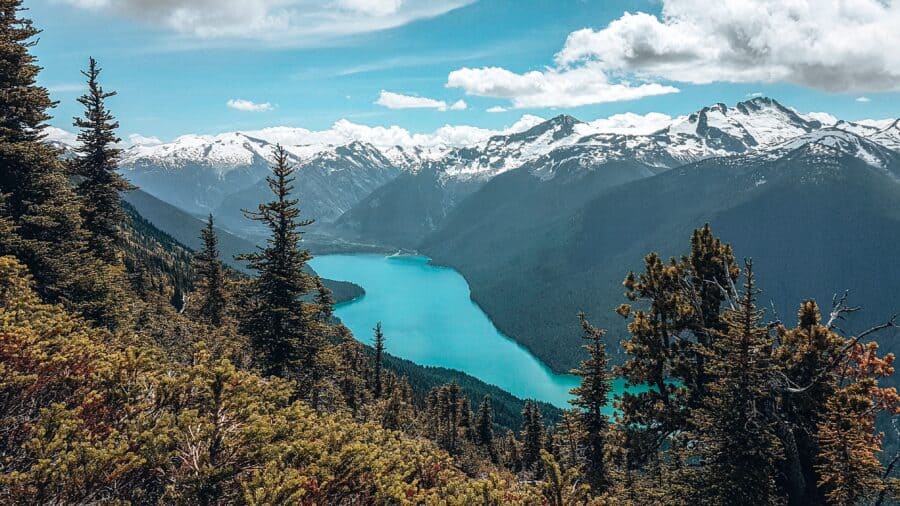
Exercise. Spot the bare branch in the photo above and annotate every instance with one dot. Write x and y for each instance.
(733, 293)
(839, 308)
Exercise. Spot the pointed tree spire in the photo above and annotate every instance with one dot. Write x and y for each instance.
(97, 165)
(210, 276)
(378, 343)
(38, 201)
(735, 428)
(282, 327)
(484, 427)
(592, 395)
(532, 438)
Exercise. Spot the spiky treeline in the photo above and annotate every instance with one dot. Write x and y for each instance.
(96, 164)
(446, 413)
(210, 274)
(592, 395)
(532, 438)
(749, 421)
(282, 327)
(735, 428)
(39, 202)
(378, 343)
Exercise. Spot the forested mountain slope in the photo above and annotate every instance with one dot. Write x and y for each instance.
(172, 259)
(819, 214)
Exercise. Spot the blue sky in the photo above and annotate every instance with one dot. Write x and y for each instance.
(176, 70)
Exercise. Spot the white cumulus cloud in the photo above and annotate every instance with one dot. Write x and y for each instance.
(584, 85)
(393, 100)
(277, 22)
(833, 45)
(631, 123)
(248, 106)
(496, 109)
(863, 99)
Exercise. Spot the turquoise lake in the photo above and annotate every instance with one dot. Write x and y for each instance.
(428, 317)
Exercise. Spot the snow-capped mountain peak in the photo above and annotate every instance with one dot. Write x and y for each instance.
(753, 124)
(889, 136)
(220, 153)
(832, 143)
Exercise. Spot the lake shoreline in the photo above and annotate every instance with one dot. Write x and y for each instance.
(434, 321)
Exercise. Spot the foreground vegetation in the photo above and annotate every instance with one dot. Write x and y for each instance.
(127, 378)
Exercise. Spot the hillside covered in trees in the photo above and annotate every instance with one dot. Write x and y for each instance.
(134, 371)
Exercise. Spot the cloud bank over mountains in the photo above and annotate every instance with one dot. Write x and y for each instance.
(344, 131)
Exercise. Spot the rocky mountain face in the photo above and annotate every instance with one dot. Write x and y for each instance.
(226, 173)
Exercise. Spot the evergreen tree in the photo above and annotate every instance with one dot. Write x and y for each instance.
(670, 339)
(210, 274)
(562, 488)
(512, 457)
(532, 438)
(97, 165)
(446, 413)
(352, 371)
(571, 439)
(279, 323)
(39, 202)
(378, 343)
(484, 427)
(735, 436)
(324, 300)
(398, 411)
(449, 398)
(592, 395)
(803, 354)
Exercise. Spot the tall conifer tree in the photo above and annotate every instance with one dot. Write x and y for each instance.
(484, 427)
(96, 164)
(325, 300)
(592, 395)
(735, 428)
(532, 437)
(378, 342)
(210, 276)
(279, 323)
(39, 202)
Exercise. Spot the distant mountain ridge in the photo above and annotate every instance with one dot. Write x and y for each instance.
(564, 145)
(395, 195)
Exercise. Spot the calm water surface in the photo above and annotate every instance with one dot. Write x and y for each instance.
(429, 318)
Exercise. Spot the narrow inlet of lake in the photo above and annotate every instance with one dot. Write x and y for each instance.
(429, 318)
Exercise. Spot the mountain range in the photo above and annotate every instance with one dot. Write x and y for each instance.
(544, 221)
